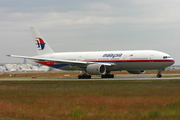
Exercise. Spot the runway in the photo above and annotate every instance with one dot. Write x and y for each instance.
(122, 77)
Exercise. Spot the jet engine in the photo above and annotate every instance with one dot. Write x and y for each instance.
(137, 71)
(96, 69)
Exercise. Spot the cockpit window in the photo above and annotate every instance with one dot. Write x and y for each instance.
(165, 57)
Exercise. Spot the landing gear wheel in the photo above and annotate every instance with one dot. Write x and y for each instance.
(102, 76)
(159, 75)
(79, 76)
(107, 76)
(84, 76)
(89, 76)
(112, 76)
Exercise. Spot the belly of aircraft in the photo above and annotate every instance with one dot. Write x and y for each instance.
(139, 66)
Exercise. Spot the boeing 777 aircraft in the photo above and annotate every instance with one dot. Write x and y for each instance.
(99, 63)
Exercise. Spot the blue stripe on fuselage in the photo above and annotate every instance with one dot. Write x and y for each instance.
(118, 61)
(58, 65)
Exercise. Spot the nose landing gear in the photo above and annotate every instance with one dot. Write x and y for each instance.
(159, 75)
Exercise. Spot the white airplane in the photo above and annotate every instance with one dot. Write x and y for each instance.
(25, 70)
(99, 63)
(40, 70)
(6, 70)
(1, 69)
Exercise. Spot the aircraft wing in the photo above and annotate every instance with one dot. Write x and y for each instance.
(59, 61)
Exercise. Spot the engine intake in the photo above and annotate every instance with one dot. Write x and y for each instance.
(96, 69)
(137, 72)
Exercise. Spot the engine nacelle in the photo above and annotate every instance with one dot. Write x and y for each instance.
(96, 69)
(137, 72)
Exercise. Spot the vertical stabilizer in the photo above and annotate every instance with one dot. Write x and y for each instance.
(41, 45)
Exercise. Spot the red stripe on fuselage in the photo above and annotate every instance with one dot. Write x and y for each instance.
(47, 63)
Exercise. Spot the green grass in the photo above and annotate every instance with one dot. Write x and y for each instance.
(44, 100)
(76, 113)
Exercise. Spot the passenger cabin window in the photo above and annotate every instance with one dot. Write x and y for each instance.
(165, 57)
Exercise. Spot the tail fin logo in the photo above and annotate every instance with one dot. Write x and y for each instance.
(40, 43)
(20, 68)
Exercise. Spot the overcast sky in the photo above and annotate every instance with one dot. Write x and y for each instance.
(90, 25)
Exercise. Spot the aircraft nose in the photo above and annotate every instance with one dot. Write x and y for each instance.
(172, 61)
(169, 62)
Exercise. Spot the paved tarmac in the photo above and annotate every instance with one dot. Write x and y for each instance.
(123, 77)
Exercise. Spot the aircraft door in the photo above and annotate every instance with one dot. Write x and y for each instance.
(124, 58)
(151, 58)
(79, 57)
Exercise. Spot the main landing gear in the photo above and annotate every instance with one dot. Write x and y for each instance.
(84, 76)
(159, 73)
(107, 75)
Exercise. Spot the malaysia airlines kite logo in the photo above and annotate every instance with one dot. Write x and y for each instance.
(40, 43)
